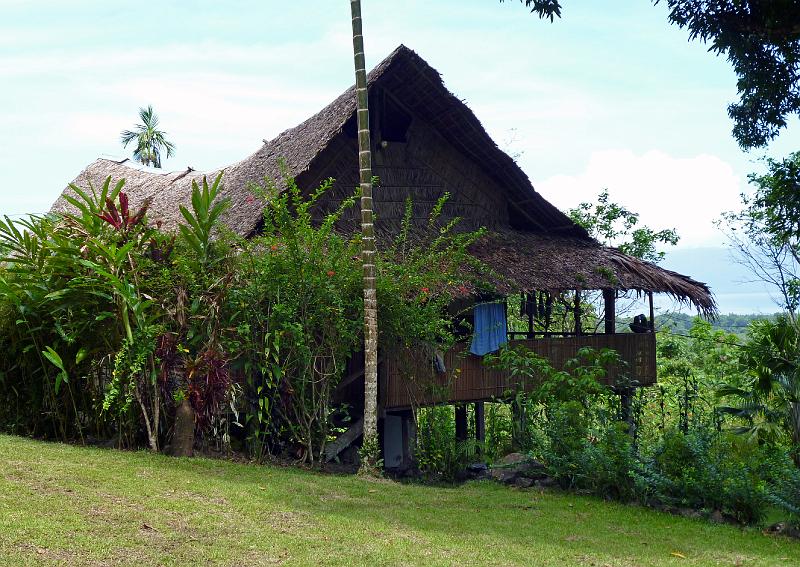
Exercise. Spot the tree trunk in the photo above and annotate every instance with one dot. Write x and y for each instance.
(794, 416)
(183, 437)
(368, 244)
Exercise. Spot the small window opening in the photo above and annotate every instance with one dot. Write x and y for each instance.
(350, 128)
(395, 122)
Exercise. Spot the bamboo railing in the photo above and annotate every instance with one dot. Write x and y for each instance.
(408, 379)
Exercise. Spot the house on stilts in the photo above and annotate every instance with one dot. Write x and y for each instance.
(426, 142)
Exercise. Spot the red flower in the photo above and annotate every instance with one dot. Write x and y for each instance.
(274, 247)
(331, 273)
(425, 290)
(250, 199)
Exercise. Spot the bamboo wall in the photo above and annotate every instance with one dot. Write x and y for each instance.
(424, 168)
(408, 380)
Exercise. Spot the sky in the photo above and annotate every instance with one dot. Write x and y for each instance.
(610, 96)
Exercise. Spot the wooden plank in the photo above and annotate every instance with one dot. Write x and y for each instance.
(480, 422)
(344, 440)
(412, 382)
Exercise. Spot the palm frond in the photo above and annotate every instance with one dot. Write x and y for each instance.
(149, 140)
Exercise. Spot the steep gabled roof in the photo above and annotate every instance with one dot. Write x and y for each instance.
(411, 80)
(552, 253)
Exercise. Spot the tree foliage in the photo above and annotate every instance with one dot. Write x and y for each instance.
(546, 9)
(614, 225)
(761, 39)
(765, 233)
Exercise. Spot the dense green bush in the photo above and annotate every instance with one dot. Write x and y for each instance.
(687, 459)
(296, 304)
(437, 452)
(705, 471)
(785, 493)
(114, 329)
(113, 319)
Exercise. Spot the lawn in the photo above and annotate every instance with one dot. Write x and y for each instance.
(68, 505)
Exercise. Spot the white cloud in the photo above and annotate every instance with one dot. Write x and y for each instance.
(687, 194)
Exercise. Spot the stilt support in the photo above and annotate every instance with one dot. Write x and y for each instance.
(519, 426)
(480, 422)
(461, 422)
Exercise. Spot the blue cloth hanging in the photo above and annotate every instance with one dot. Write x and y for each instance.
(490, 328)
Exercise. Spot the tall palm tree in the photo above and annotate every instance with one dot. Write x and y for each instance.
(368, 244)
(150, 141)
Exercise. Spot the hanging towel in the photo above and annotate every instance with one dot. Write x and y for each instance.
(490, 328)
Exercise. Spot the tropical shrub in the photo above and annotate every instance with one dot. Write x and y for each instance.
(68, 288)
(706, 471)
(767, 402)
(297, 305)
(692, 463)
(437, 451)
(115, 329)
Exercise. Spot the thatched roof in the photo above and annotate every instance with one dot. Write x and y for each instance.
(411, 80)
(533, 262)
(549, 253)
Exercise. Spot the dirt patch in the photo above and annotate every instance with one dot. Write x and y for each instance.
(287, 522)
(61, 556)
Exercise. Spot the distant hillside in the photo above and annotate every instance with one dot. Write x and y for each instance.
(735, 323)
(732, 285)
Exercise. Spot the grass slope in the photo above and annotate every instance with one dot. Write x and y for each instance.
(68, 505)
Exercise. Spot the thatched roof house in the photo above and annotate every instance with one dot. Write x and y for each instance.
(426, 142)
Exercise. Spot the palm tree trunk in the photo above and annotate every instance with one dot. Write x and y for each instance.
(368, 243)
(794, 420)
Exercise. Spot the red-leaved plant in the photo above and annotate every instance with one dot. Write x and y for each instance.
(208, 385)
(121, 218)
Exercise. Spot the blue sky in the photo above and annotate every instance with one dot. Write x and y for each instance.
(610, 96)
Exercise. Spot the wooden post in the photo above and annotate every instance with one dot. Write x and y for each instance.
(610, 315)
(577, 313)
(480, 422)
(626, 393)
(527, 300)
(505, 314)
(548, 313)
(652, 312)
(409, 438)
(519, 425)
(461, 422)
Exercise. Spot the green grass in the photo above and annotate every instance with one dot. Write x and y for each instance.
(68, 505)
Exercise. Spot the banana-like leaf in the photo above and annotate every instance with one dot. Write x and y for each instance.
(55, 359)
